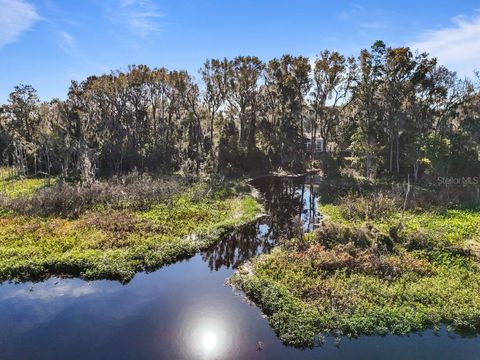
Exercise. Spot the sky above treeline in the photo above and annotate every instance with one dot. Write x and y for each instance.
(48, 43)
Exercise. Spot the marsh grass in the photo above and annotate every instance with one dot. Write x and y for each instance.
(12, 185)
(71, 200)
(115, 239)
(455, 226)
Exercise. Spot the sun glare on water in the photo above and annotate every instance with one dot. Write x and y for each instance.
(208, 335)
(209, 341)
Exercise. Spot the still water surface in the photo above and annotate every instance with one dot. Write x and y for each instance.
(184, 311)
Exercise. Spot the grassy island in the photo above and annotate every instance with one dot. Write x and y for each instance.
(371, 268)
(114, 238)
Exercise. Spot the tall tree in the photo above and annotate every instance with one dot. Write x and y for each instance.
(366, 109)
(214, 74)
(332, 80)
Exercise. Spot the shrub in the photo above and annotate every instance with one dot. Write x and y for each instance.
(331, 234)
(365, 261)
(378, 205)
(70, 200)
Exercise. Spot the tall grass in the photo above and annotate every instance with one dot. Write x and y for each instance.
(70, 200)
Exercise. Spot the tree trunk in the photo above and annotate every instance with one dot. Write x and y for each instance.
(391, 156)
(212, 118)
(416, 166)
(397, 154)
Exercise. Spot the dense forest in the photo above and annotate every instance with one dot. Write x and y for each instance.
(390, 112)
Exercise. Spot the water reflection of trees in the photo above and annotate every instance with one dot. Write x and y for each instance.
(285, 201)
(240, 245)
(288, 199)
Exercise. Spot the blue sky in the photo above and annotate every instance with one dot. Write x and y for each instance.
(47, 43)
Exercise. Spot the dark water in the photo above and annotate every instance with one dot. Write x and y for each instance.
(184, 311)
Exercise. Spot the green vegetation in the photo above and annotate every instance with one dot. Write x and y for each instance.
(437, 226)
(371, 270)
(15, 186)
(115, 243)
(22, 187)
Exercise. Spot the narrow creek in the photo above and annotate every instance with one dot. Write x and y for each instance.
(185, 310)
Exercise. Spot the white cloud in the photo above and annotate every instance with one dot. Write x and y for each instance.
(363, 19)
(457, 46)
(16, 17)
(68, 43)
(126, 3)
(142, 16)
(45, 291)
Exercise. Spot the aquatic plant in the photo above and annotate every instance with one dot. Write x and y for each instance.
(115, 243)
(359, 275)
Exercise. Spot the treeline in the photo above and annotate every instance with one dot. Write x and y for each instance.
(389, 112)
